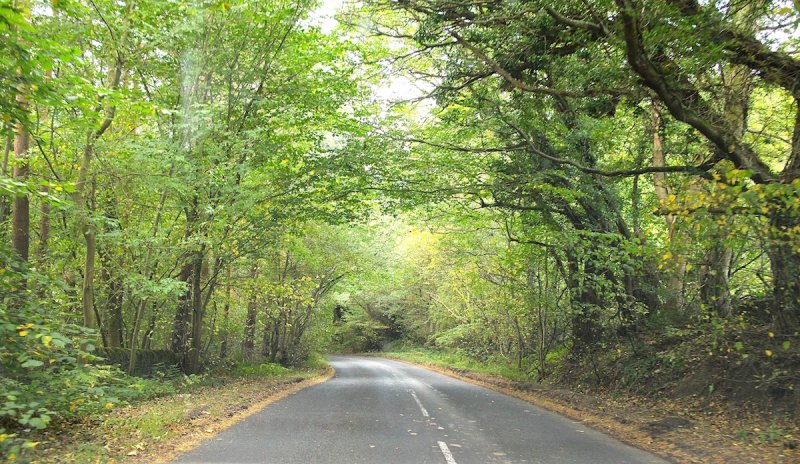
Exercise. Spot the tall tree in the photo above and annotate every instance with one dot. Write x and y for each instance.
(571, 52)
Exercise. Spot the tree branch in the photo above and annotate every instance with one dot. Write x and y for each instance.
(700, 169)
(518, 84)
(683, 106)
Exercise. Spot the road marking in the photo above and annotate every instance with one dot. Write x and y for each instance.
(448, 456)
(419, 403)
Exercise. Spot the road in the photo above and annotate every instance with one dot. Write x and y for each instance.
(380, 411)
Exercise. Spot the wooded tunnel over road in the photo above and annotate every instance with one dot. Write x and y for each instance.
(380, 411)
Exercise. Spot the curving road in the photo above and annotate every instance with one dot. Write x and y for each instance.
(380, 411)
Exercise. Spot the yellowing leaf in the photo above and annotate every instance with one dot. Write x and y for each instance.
(768, 352)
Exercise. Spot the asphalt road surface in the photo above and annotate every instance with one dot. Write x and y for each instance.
(380, 411)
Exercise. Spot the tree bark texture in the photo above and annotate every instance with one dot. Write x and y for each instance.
(21, 216)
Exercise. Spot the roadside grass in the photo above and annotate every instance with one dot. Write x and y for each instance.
(456, 361)
(716, 434)
(158, 429)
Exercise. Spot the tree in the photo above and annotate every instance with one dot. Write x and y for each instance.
(572, 60)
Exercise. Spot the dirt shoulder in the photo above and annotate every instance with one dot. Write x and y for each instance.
(159, 431)
(680, 431)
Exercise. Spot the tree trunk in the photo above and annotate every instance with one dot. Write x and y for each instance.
(145, 271)
(147, 338)
(585, 318)
(785, 264)
(520, 343)
(226, 310)
(8, 145)
(86, 226)
(112, 279)
(275, 341)
(180, 324)
(782, 247)
(266, 338)
(715, 279)
(114, 330)
(20, 218)
(44, 228)
(250, 322)
(674, 300)
(250, 328)
(192, 364)
(44, 207)
(87, 230)
(89, 235)
(183, 313)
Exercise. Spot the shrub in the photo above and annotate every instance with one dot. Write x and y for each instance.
(48, 367)
(262, 370)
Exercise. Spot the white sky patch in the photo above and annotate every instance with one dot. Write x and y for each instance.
(396, 87)
(324, 15)
(400, 88)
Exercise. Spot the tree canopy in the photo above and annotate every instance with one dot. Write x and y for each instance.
(566, 188)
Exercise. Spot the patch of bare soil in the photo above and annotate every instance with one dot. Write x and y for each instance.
(684, 431)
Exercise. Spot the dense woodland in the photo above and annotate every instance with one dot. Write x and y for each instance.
(603, 192)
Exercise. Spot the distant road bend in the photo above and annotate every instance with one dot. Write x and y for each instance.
(380, 411)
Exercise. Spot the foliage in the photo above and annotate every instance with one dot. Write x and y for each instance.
(49, 366)
(187, 163)
(571, 195)
(456, 361)
(262, 370)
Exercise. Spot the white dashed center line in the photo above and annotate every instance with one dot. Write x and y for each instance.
(448, 456)
(419, 403)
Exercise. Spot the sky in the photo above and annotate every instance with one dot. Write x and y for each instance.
(324, 14)
(396, 88)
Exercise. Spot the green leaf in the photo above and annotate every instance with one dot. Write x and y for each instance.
(32, 363)
(37, 422)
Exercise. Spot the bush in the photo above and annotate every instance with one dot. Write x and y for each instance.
(262, 370)
(48, 367)
(315, 361)
(149, 363)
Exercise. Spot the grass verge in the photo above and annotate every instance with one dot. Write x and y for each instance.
(678, 430)
(456, 361)
(159, 430)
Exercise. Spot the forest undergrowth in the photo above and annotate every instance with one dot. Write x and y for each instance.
(172, 414)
